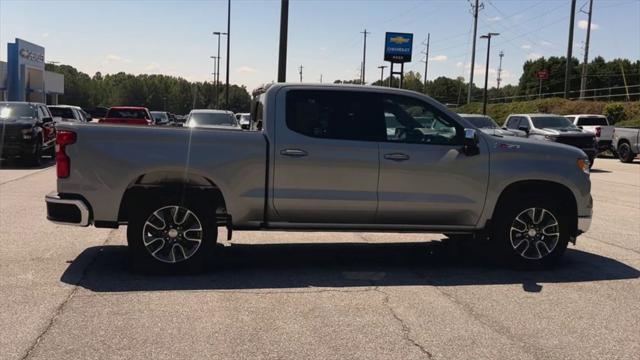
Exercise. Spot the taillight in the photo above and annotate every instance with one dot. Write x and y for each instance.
(598, 131)
(63, 163)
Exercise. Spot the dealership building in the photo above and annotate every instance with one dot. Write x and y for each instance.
(23, 77)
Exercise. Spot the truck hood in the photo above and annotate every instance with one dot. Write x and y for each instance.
(533, 146)
(563, 132)
(497, 132)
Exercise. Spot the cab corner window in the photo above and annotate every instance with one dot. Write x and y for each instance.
(410, 120)
(331, 114)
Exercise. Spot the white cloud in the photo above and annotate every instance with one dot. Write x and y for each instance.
(545, 43)
(526, 46)
(584, 24)
(152, 67)
(459, 64)
(439, 58)
(245, 70)
(45, 35)
(494, 19)
(111, 58)
(533, 56)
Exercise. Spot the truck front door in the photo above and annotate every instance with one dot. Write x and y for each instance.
(425, 177)
(326, 156)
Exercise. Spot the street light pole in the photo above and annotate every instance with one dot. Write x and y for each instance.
(486, 71)
(226, 103)
(282, 53)
(381, 67)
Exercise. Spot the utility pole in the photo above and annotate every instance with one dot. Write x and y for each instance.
(217, 77)
(381, 67)
(282, 55)
(215, 82)
(499, 79)
(486, 70)
(426, 62)
(475, 9)
(300, 72)
(226, 103)
(583, 81)
(364, 56)
(567, 71)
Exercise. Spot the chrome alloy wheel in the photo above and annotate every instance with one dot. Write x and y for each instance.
(172, 234)
(534, 233)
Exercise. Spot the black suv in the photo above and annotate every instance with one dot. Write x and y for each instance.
(27, 131)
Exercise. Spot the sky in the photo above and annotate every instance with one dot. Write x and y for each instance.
(175, 37)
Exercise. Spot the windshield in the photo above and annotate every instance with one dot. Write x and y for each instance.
(246, 117)
(592, 121)
(17, 111)
(159, 115)
(208, 118)
(552, 122)
(482, 122)
(127, 114)
(61, 112)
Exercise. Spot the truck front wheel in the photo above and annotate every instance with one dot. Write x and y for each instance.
(171, 235)
(531, 232)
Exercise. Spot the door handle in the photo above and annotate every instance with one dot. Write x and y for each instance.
(293, 152)
(396, 157)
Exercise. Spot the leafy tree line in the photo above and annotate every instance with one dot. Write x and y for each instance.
(605, 78)
(156, 92)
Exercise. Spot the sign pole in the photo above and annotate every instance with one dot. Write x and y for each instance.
(540, 88)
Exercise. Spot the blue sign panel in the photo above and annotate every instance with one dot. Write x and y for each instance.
(398, 47)
(25, 71)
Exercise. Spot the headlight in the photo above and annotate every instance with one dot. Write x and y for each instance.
(583, 164)
(26, 133)
(550, 137)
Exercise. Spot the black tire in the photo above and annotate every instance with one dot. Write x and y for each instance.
(625, 154)
(142, 259)
(507, 243)
(35, 159)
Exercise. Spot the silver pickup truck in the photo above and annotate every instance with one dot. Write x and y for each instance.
(322, 157)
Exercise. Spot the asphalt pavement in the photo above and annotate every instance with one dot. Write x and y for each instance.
(66, 292)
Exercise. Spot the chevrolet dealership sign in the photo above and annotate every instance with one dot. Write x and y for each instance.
(398, 47)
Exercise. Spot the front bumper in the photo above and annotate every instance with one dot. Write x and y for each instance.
(66, 211)
(584, 223)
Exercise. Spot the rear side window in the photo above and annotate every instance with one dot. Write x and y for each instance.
(592, 121)
(345, 115)
(65, 113)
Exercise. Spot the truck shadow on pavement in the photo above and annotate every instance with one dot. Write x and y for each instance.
(337, 265)
(16, 164)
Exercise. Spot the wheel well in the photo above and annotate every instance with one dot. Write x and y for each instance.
(164, 183)
(558, 192)
(623, 141)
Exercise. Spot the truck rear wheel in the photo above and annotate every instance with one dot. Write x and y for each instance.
(530, 232)
(625, 154)
(171, 235)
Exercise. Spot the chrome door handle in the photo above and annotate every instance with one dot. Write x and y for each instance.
(293, 152)
(396, 157)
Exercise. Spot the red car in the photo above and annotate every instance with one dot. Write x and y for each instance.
(128, 115)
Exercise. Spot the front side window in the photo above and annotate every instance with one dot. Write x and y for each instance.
(513, 122)
(63, 112)
(345, 115)
(410, 120)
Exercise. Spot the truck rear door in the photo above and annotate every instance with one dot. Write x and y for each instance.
(326, 157)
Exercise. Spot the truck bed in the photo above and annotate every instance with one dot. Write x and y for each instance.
(108, 159)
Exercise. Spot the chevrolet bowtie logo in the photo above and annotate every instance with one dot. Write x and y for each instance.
(399, 40)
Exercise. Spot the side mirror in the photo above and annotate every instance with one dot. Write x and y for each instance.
(524, 128)
(470, 142)
(56, 119)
